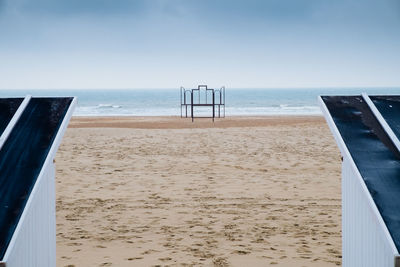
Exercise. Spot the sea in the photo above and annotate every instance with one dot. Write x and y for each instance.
(166, 102)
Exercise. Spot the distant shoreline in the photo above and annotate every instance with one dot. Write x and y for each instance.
(176, 122)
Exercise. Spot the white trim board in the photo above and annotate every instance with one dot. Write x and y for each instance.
(14, 120)
(382, 121)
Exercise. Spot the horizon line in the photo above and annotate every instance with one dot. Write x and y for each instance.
(234, 88)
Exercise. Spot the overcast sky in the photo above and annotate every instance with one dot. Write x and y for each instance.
(169, 43)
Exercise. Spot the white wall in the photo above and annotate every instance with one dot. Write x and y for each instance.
(34, 240)
(365, 239)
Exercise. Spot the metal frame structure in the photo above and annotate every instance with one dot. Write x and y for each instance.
(217, 102)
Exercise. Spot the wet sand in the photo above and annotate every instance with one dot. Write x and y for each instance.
(163, 191)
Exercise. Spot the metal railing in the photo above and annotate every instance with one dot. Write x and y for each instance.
(217, 102)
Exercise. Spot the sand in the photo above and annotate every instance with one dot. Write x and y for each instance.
(163, 191)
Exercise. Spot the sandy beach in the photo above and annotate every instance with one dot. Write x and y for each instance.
(163, 191)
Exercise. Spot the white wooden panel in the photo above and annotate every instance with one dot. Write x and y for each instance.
(365, 243)
(34, 242)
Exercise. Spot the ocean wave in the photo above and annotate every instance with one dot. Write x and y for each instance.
(114, 110)
(108, 106)
(283, 109)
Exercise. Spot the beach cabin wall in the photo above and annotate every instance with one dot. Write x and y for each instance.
(366, 240)
(33, 240)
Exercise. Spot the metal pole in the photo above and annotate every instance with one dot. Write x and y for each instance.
(181, 101)
(213, 99)
(220, 102)
(184, 94)
(191, 104)
(224, 101)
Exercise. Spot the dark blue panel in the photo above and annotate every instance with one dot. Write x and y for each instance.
(389, 107)
(22, 158)
(374, 154)
(8, 107)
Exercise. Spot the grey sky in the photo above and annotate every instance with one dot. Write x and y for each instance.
(168, 43)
